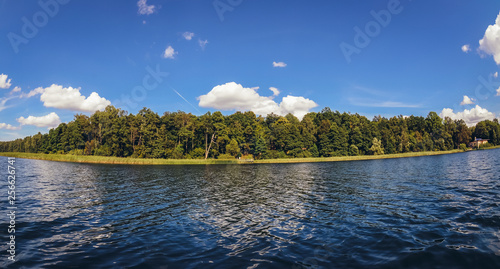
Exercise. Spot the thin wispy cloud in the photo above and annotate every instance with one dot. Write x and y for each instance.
(202, 43)
(144, 8)
(10, 136)
(376, 98)
(369, 91)
(386, 104)
(8, 126)
(32, 93)
(188, 35)
(3, 102)
(279, 64)
(16, 89)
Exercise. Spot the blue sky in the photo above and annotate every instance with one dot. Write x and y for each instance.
(69, 56)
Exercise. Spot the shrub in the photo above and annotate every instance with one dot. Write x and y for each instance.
(198, 153)
(463, 147)
(225, 157)
(247, 157)
(353, 150)
(304, 154)
(296, 152)
(314, 151)
(75, 152)
(486, 145)
(270, 154)
(178, 152)
(102, 151)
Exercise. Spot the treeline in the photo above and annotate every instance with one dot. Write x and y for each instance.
(177, 135)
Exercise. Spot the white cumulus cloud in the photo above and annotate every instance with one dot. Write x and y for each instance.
(495, 75)
(498, 92)
(8, 126)
(69, 98)
(51, 120)
(169, 53)
(233, 96)
(279, 64)
(297, 105)
(467, 101)
(466, 48)
(490, 43)
(144, 8)
(5, 81)
(471, 117)
(188, 35)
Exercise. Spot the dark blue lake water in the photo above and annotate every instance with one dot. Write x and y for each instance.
(424, 212)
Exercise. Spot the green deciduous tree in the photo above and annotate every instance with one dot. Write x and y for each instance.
(376, 147)
(233, 148)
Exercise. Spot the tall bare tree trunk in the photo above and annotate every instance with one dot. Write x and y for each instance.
(208, 149)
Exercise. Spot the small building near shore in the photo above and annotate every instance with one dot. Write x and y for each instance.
(478, 142)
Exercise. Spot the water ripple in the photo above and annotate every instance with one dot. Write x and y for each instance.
(427, 212)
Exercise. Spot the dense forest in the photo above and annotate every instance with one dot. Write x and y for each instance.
(178, 135)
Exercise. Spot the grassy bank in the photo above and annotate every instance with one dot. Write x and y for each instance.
(359, 158)
(365, 157)
(137, 161)
(112, 160)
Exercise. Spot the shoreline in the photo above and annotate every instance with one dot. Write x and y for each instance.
(139, 161)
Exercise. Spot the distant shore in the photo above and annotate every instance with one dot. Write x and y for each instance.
(139, 161)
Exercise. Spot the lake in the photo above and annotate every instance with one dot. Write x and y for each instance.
(423, 212)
